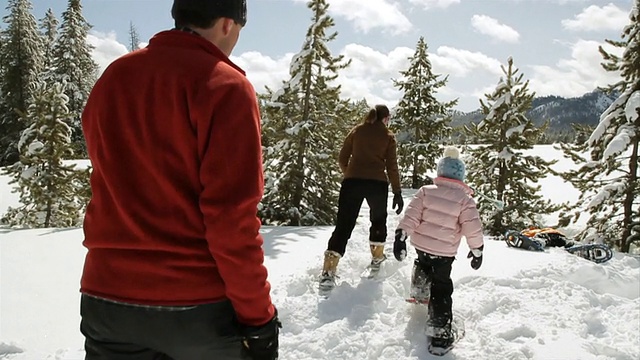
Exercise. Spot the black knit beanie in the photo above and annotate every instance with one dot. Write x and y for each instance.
(197, 12)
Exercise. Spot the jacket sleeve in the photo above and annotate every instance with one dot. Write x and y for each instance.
(391, 163)
(232, 186)
(413, 213)
(345, 152)
(471, 224)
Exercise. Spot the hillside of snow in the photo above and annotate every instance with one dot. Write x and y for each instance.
(518, 305)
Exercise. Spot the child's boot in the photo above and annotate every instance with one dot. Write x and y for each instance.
(439, 328)
(420, 284)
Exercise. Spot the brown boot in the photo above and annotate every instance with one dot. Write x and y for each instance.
(377, 253)
(331, 259)
(329, 269)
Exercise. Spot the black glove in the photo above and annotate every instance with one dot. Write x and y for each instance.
(476, 254)
(261, 342)
(397, 201)
(400, 246)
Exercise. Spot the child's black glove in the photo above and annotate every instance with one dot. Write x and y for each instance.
(476, 254)
(397, 202)
(400, 245)
(261, 342)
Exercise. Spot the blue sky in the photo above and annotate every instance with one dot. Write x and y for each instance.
(553, 42)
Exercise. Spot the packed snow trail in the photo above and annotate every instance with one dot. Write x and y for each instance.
(519, 305)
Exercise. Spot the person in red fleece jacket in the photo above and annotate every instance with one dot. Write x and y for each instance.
(174, 267)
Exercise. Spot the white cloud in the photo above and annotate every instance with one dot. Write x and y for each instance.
(482, 92)
(366, 15)
(430, 4)
(576, 76)
(371, 72)
(106, 48)
(489, 26)
(595, 18)
(369, 14)
(459, 63)
(263, 70)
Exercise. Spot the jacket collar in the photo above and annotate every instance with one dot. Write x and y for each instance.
(187, 40)
(453, 183)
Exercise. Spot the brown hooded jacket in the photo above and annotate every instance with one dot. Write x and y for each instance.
(369, 150)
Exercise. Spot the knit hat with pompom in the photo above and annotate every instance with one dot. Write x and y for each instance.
(450, 166)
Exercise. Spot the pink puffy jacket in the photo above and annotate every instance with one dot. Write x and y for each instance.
(439, 215)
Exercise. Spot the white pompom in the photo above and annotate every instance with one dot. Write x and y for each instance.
(451, 152)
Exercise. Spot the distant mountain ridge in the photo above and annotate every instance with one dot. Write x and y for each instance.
(561, 112)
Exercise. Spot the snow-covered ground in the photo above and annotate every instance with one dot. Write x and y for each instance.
(519, 305)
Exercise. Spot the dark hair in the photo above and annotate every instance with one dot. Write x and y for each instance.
(376, 114)
(204, 13)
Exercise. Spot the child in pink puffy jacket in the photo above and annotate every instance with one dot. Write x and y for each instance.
(437, 218)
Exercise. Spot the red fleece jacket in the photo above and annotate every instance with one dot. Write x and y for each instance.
(173, 135)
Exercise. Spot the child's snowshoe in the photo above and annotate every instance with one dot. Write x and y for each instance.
(440, 346)
(420, 292)
(442, 340)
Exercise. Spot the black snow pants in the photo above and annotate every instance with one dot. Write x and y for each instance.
(115, 331)
(438, 269)
(352, 193)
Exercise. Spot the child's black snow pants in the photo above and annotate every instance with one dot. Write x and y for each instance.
(438, 269)
(352, 193)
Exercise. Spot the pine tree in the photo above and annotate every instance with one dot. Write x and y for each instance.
(304, 125)
(45, 184)
(49, 28)
(2, 69)
(420, 121)
(134, 38)
(22, 60)
(608, 172)
(75, 67)
(499, 167)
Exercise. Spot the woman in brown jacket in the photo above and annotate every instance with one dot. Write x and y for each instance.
(368, 161)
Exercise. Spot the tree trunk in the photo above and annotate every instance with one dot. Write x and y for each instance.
(302, 149)
(628, 200)
(415, 181)
(498, 226)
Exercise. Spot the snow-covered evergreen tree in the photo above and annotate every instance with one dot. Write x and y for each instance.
(608, 172)
(49, 29)
(46, 185)
(22, 61)
(499, 167)
(304, 123)
(74, 66)
(2, 69)
(420, 121)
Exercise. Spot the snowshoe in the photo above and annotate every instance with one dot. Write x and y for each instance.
(515, 239)
(420, 292)
(327, 283)
(598, 253)
(371, 272)
(549, 237)
(413, 300)
(440, 346)
(441, 341)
